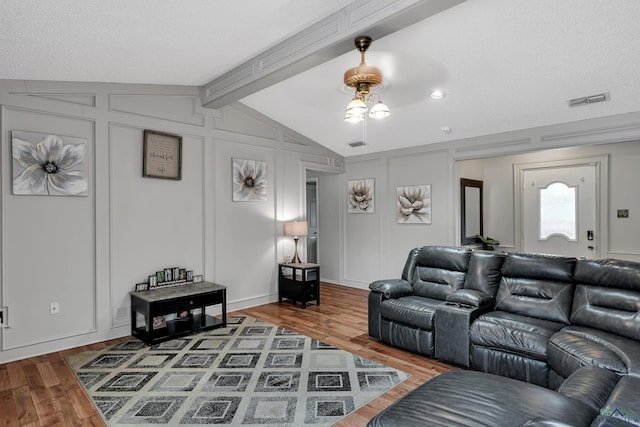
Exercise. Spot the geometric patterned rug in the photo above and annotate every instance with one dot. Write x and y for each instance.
(249, 373)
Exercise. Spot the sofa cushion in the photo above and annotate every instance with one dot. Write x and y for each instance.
(437, 283)
(576, 346)
(540, 267)
(567, 352)
(436, 271)
(611, 273)
(412, 310)
(514, 333)
(537, 286)
(484, 272)
(510, 365)
(611, 310)
(468, 398)
(608, 296)
(536, 298)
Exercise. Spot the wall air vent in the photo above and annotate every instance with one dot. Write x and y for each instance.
(356, 144)
(576, 102)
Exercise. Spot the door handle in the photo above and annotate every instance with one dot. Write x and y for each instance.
(589, 234)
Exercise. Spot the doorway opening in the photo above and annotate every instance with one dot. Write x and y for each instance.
(312, 220)
(321, 201)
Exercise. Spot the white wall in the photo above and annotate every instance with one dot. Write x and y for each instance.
(376, 247)
(87, 253)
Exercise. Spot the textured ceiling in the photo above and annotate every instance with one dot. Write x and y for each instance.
(504, 64)
(181, 42)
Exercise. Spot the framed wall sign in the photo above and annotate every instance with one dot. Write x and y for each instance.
(162, 155)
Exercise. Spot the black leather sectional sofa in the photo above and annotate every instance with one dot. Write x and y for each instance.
(557, 340)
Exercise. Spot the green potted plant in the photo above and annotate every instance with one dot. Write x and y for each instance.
(488, 243)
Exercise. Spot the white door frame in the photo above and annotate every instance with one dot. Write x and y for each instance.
(601, 164)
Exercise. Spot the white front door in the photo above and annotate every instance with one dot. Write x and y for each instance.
(559, 210)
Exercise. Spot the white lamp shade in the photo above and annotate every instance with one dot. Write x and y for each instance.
(356, 107)
(353, 118)
(295, 228)
(379, 111)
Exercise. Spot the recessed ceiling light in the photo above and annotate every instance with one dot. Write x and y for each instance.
(437, 94)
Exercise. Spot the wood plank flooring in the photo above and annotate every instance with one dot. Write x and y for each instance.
(43, 391)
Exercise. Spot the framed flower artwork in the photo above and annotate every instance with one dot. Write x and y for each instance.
(414, 204)
(249, 180)
(361, 196)
(49, 165)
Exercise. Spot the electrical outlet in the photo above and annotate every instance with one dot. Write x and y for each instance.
(54, 308)
(623, 213)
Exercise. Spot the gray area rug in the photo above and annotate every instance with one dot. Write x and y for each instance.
(249, 373)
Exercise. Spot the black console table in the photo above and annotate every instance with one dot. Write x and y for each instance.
(174, 300)
(299, 282)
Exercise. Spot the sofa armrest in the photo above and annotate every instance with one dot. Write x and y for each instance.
(470, 298)
(590, 385)
(392, 288)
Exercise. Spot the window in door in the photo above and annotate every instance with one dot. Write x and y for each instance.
(558, 211)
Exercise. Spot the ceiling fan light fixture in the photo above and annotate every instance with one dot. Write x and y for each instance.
(379, 111)
(356, 106)
(353, 118)
(362, 78)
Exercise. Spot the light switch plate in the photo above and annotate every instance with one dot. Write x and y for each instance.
(623, 213)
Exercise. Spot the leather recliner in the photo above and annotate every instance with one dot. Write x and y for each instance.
(605, 321)
(533, 302)
(402, 311)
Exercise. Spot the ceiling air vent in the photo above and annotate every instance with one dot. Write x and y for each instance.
(356, 144)
(589, 99)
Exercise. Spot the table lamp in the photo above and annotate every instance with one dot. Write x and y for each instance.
(295, 229)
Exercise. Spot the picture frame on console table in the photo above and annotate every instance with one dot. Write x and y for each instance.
(141, 287)
(162, 155)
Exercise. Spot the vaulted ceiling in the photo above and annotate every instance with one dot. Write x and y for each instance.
(503, 64)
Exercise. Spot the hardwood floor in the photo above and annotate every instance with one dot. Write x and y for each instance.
(43, 391)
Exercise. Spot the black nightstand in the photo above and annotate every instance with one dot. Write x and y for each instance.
(299, 282)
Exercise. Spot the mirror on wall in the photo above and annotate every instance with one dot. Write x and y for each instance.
(471, 210)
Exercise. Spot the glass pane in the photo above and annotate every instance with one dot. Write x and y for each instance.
(558, 211)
